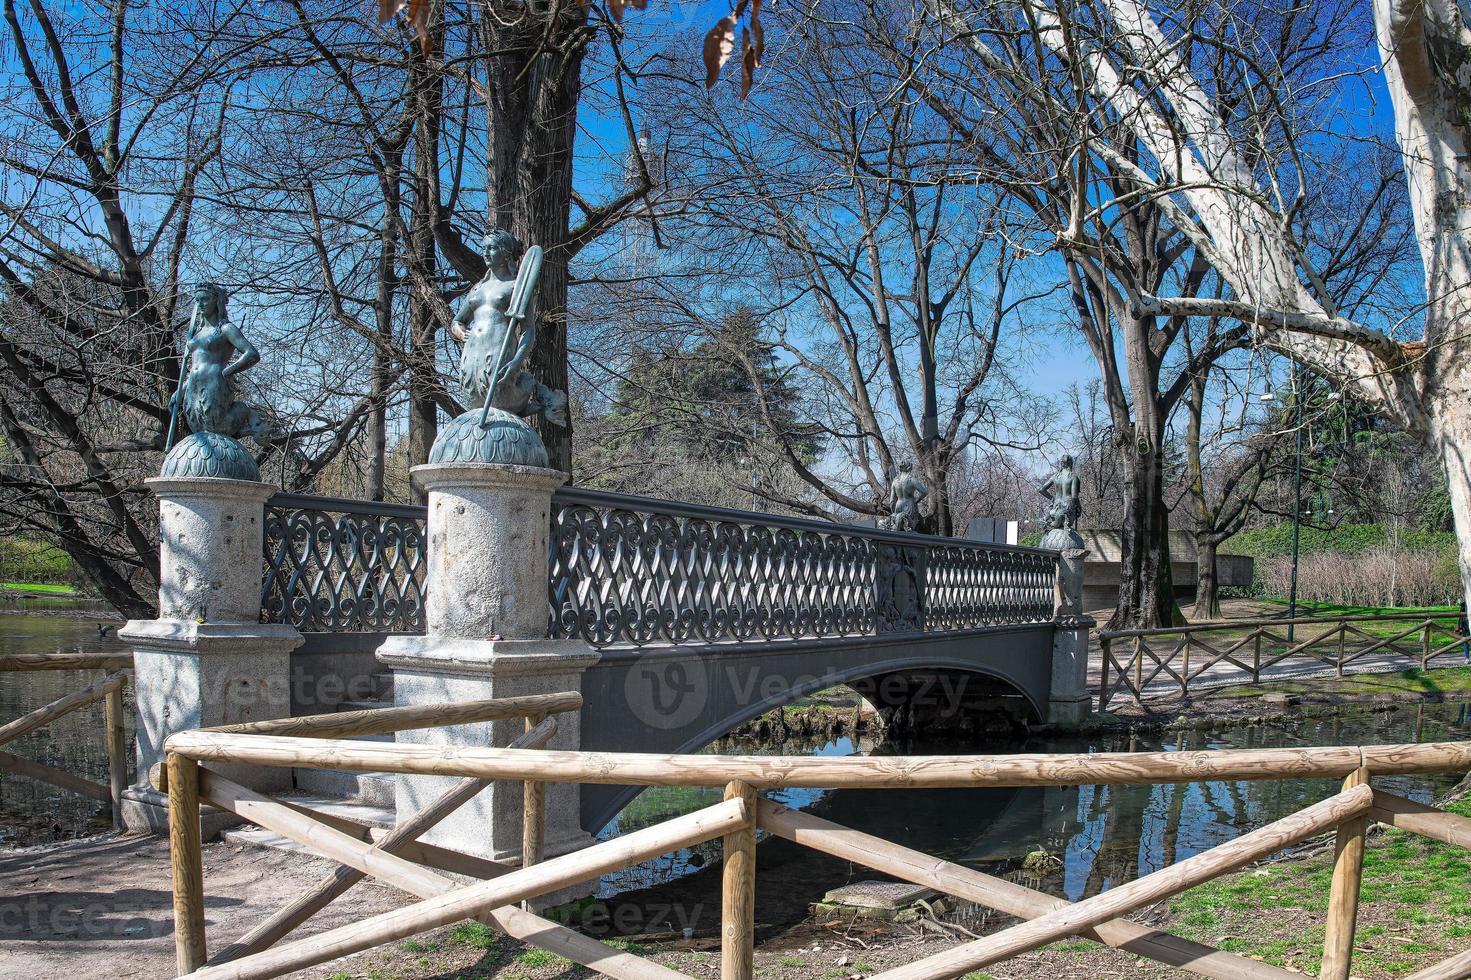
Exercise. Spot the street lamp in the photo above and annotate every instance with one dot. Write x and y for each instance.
(1296, 500)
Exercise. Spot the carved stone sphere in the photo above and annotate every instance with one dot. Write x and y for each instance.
(505, 438)
(209, 454)
(1062, 539)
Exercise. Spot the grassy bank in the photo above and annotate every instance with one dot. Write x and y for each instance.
(38, 588)
(1412, 684)
(1414, 909)
(1330, 610)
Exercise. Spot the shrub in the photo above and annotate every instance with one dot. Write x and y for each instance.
(1377, 576)
(26, 560)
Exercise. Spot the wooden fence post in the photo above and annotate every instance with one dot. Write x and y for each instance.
(1343, 899)
(1185, 667)
(1105, 643)
(1256, 657)
(117, 751)
(190, 951)
(1425, 647)
(533, 818)
(738, 893)
(1138, 668)
(1342, 635)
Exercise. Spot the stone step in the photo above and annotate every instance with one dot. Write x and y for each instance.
(367, 814)
(371, 788)
(375, 788)
(366, 704)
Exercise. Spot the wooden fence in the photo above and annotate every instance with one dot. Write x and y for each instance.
(109, 690)
(1253, 646)
(397, 858)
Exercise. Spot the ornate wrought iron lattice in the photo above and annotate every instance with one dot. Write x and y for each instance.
(343, 565)
(639, 571)
(636, 570)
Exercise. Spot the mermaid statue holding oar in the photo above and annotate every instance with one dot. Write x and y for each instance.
(498, 328)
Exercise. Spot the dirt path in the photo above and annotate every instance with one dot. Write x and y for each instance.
(103, 907)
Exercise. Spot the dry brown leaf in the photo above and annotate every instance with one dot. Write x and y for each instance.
(719, 43)
(387, 8)
(615, 10)
(748, 62)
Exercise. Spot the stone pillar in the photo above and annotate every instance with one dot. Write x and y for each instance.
(1071, 701)
(487, 615)
(207, 659)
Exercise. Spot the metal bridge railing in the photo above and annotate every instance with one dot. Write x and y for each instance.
(632, 570)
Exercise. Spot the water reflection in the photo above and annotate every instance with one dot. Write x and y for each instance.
(33, 812)
(1100, 835)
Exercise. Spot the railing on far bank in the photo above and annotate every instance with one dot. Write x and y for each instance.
(398, 859)
(1241, 651)
(634, 570)
(109, 690)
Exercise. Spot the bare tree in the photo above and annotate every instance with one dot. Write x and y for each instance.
(1203, 169)
(882, 288)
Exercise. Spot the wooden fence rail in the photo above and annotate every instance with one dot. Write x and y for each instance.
(1242, 650)
(493, 896)
(109, 690)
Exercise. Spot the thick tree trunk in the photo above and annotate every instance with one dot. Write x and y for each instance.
(546, 190)
(533, 129)
(1207, 585)
(1146, 587)
(1451, 436)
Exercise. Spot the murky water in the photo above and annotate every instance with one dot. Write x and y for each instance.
(1096, 836)
(32, 812)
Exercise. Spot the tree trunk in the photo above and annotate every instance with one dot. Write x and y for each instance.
(1451, 436)
(545, 199)
(533, 96)
(1146, 587)
(423, 257)
(1207, 585)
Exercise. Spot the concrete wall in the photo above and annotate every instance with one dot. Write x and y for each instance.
(1101, 569)
(330, 668)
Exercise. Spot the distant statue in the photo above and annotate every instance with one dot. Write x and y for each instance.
(1061, 490)
(497, 327)
(216, 351)
(905, 493)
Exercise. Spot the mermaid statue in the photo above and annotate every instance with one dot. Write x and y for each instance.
(215, 353)
(497, 326)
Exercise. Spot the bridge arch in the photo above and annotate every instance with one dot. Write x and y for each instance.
(676, 700)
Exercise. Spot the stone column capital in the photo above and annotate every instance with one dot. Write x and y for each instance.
(487, 476)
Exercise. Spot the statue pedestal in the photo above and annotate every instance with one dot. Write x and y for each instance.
(430, 671)
(1071, 701)
(487, 614)
(207, 660)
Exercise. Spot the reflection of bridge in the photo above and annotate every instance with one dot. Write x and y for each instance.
(703, 618)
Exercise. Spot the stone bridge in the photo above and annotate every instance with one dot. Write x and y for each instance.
(677, 623)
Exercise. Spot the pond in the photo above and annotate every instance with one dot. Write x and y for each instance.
(32, 812)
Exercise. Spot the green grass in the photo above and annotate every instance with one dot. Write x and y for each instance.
(1422, 885)
(476, 935)
(793, 961)
(39, 588)
(536, 958)
(1438, 680)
